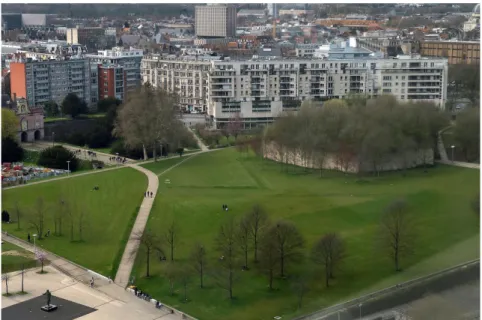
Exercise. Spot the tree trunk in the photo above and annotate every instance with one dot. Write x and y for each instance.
(327, 275)
(23, 270)
(230, 284)
(271, 279)
(144, 151)
(172, 249)
(148, 262)
(154, 153)
(201, 274)
(72, 232)
(246, 258)
(282, 266)
(255, 239)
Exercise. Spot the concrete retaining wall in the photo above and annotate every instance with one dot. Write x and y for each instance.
(332, 162)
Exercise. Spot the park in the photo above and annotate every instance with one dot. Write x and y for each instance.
(202, 183)
(278, 222)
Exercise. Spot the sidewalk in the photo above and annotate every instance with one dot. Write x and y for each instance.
(130, 252)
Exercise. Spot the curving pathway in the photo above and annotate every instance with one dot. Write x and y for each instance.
(132, 246)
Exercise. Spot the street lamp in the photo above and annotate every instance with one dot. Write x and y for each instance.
(360, 305)
(453, 148)
(68, 167)
(53, 138)
(34, 247)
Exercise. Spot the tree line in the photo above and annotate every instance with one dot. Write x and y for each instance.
(358, 132)
(273, 248)
(66, 218)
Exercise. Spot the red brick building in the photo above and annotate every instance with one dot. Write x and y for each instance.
(112, 82)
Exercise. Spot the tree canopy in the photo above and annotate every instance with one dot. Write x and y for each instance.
(73, 105)
(147, 118)
(357, 132)
(9, 124)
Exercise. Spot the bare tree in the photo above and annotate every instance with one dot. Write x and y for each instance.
(171, 237)
(244, 238)
(199, 260)
(172, 275)
(269, 257)
(59, 215)
(150, 242)
(397, 231)
(257, 220)
(185, 276)
(300, 286)
(289, 243)
(37, 218)
(328, 251)
(82, 222)
(23, 273)
(235, 125)
(227, 247)
(71, 214)
(149, 126)
(18, 213)
(5, 278)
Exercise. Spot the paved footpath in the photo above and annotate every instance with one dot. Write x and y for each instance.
(130, 252)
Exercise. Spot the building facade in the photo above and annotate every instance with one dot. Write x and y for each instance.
(94, 38)
(51, 80)
(128, 59)
(457, 52)
(188, 77)
(112, 82)
(215, 21)
(260, 90)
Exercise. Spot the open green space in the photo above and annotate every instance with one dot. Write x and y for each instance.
(162, 165)
(447, 228)
(107, 214)
(14, 257)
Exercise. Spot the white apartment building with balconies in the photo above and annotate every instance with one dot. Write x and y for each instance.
(260, 90)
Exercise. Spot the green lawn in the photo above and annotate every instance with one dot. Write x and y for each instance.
(108, 214)
(14, 262)
(160, 166)
(440, 200)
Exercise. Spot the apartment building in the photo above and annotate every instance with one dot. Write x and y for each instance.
(129, 59)
(112, 82)
(187, 76)
(51, 80)
(457, 52)
(260, 90)
(215, 21)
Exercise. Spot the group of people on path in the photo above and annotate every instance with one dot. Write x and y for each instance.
(148, 194)
(225, 207)
(118, 159)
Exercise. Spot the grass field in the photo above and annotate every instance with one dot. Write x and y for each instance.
(440, 201)
(13, 262)
(108, 212)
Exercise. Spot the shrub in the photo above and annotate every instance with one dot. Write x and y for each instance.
(11, 150)
(77, 139)
(99, 138)
(56, 157)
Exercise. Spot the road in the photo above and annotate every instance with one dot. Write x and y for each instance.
(461, 282)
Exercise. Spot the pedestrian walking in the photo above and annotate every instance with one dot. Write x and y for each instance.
(28, 237)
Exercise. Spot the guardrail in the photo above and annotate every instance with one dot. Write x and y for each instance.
(377, 294)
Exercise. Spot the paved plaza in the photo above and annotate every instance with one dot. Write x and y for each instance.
(108, 302)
